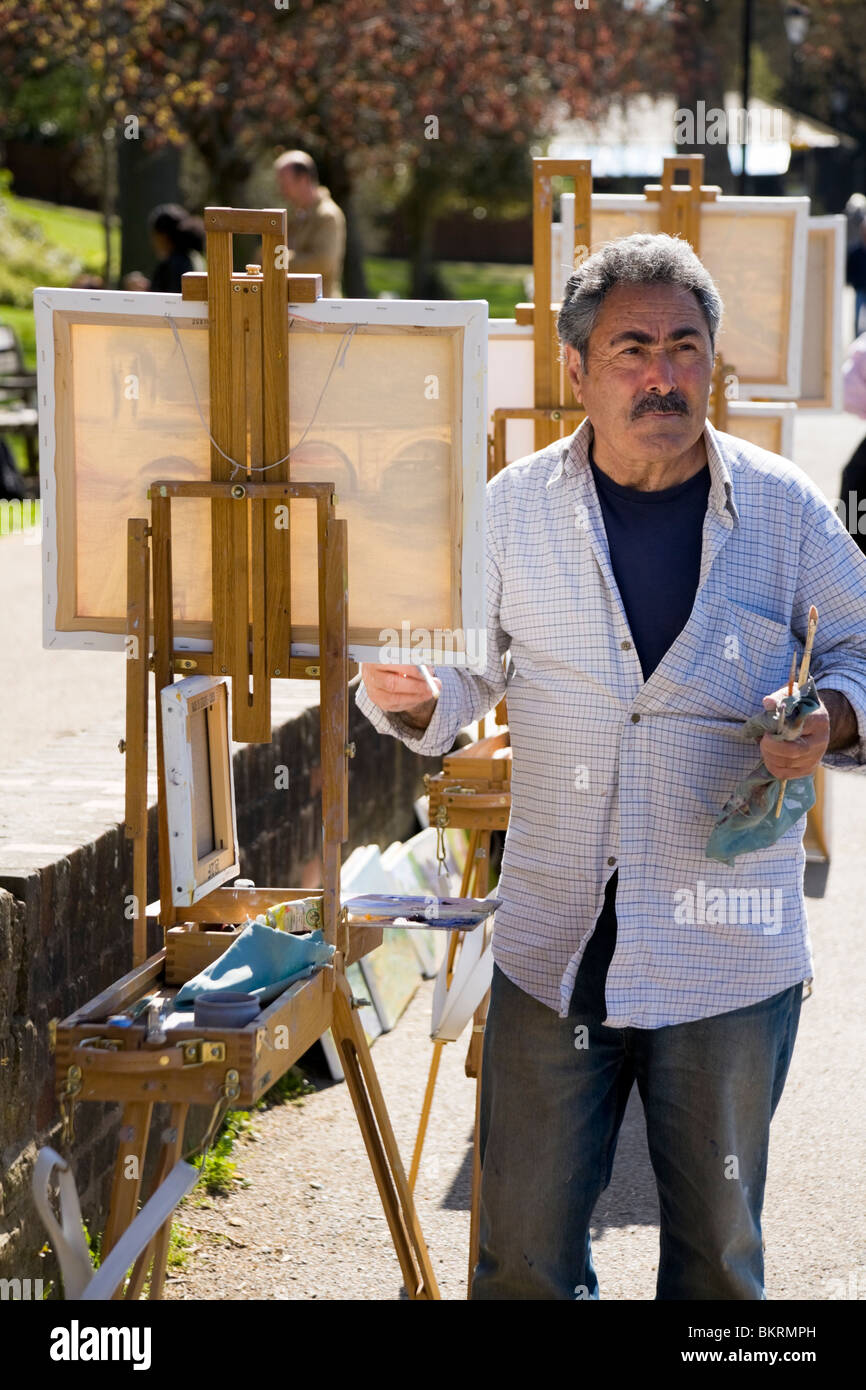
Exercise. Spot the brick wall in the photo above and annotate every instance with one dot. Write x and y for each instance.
(63, 938)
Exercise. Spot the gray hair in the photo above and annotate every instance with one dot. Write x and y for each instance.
(640, 259)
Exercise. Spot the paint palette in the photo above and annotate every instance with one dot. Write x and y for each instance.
(402, 910)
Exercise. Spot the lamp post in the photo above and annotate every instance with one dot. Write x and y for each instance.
(747, 82)
(796, 19)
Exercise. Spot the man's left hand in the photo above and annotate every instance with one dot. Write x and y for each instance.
(801, 756)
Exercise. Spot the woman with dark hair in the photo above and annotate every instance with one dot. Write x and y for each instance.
(853, 485)
(177, 239)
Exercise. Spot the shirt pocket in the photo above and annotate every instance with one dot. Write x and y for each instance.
(746, 656)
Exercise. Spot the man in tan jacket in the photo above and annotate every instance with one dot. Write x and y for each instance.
(317, 227)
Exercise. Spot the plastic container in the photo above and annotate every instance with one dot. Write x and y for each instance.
(225, 1008)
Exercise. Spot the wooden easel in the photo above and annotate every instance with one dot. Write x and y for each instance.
(473, 792)
(222, 1068)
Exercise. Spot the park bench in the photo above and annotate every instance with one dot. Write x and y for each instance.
(18, 413)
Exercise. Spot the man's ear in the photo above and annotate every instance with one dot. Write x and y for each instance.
(575, 370)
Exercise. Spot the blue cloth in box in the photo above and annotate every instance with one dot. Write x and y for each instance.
(262, 962)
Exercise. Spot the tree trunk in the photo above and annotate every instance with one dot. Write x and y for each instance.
(229, 183)
(425, 282)
(146, 178)
(108, 185)
(338, 179)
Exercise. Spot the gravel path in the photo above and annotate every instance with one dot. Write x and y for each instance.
(310, 1225)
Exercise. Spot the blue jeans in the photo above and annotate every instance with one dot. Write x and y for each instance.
(551, 1111)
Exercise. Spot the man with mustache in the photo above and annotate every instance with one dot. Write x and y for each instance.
(649, 578)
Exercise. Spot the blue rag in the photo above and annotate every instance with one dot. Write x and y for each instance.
(262, 962)
(748, 821)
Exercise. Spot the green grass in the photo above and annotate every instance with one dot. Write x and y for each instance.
(50, 245)
(501, 285)
(219, 1171)
(76, 230)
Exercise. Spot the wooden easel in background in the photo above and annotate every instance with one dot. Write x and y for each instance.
(229, 1067)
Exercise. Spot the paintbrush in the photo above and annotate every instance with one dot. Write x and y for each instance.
(803, 677)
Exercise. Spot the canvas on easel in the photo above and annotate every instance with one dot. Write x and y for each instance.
(755, 250)
(386, 398)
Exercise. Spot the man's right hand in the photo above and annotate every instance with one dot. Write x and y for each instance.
(400, 690)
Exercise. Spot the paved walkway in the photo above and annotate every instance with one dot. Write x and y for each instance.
(64, 713)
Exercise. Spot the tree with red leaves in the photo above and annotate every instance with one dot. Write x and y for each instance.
(457, 91)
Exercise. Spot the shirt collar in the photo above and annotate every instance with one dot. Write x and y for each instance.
(573, 462)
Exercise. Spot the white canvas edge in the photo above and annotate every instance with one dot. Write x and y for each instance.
(469, 314)
(836, 223)
(177, 753)
(508, 328)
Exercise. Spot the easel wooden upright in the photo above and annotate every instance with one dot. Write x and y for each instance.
(222, 1068)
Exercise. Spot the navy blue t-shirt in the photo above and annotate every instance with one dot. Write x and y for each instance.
(654, 539)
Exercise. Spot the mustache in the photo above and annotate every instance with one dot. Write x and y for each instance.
(674, 403)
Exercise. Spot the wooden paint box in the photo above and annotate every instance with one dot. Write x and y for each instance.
(98, 1061)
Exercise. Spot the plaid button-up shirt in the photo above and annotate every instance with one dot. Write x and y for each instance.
(612, 772)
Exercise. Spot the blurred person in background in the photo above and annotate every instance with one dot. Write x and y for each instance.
(178, 241)
(316, 227)
(855, 212)
(853, 485)
(855, 274)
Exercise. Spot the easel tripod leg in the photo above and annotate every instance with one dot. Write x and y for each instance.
(425, 1112)
(434, 1069)
(474, 1216)
(454, 940)
(382, 1149)
(128, 1168)
(157, 1250)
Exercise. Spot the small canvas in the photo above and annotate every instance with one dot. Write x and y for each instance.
(199, 787)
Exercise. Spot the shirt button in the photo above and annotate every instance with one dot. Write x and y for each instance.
(612, 860)
(635, 719)
(626, 646)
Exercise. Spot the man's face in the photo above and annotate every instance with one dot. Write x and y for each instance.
(294, 187)
(649, 368)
